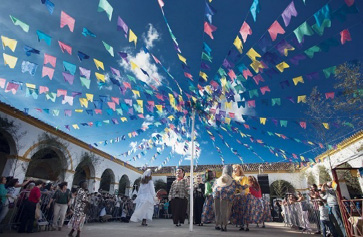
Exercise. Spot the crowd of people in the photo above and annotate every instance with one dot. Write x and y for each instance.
(233, 198)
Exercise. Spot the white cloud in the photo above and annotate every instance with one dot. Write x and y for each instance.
(174, 141)
(144, 61)
(151, 36)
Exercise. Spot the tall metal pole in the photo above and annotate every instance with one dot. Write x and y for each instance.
(191, 200)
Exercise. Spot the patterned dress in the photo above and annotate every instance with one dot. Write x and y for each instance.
(239, 202)
(208, 212)
(79, 216)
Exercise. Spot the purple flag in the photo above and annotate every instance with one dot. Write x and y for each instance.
(295, 60)
(313, 75)
(84, 72)
(68, 78)
(75, 93)
(115, 72)
(288, 12)
(205, 66)
(123, 56)
(282, 45)
(67, 112)
(121, 25)
(265, 42)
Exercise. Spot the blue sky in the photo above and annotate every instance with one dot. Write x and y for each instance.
(186, 19)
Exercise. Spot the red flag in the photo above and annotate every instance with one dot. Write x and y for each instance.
(345, 36)
(65, 47)
(349, 2)
(329, 95)
(303, 125)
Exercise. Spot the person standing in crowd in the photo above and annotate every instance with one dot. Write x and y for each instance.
(262, 211)
(223, 193)
(79, 216)
(3, 199)
(325, 221)
(198, 200)
(304, 210)
(20, 203)
(28, 218)
(178, 197)
(145, 199)
(315, 196)
(208, 210)
(239, 211)
(331, 199)
(61, 198)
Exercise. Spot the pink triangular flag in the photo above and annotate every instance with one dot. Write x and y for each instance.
(245, 31)
(209, 29)
(275, 29)
(50, 59)
(65, 47)
(116, 100)
(112, 105)
(61, 92)
(43, 89)
(2, 82)
(47, 71)
(67, 20)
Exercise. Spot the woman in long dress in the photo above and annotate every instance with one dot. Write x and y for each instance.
(79, 216)
(239, 206)
(208, 211)
(145, 200)
(223, 193)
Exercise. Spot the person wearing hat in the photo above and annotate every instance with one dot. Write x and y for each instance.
(223, 193)
(145, 200)
(178, 195)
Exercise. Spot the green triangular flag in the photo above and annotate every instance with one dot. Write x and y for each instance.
(303, 29)
(310, 51)
(109, 48)
(103, 5)
(85, 82)
(320, 30)
(206, 57)
(328, 71)
(18, 22)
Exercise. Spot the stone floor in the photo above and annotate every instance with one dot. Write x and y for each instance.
(163, 227)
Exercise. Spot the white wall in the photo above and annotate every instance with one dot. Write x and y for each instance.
(17, 168)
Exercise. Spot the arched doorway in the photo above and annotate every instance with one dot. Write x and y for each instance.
(47, 163)
(124, 184)
(85, 171)
(7, 148)
(350, 177)
(107, 180)
(279, 188)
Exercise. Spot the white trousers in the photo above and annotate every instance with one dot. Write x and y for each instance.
(60, 211)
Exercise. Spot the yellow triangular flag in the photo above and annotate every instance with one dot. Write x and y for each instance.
(159, 107)
(123, 119)
(7, 42)
(89, 97)
(301, 98)
(100, 77)
(252, 54)
(136, 93)
(171, 117)
(256, 65)
(133, 65)
(281, 66)
(326, 125)
(181, 58)
(31, 86)
(78, 110)
(263, 121)
(238, 43)
(10, 60)
(75, 126)
(99, 64)
(83, 102)
(140, 103)
(132, 37)
(298, 79)
(203, 75)
(228, 105)
(227, 120)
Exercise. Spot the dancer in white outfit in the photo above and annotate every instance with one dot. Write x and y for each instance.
(145, 200)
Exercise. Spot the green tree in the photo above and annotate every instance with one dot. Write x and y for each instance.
(159, 184)
(280, 187)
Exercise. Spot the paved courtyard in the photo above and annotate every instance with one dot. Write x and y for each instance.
(162, 227)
